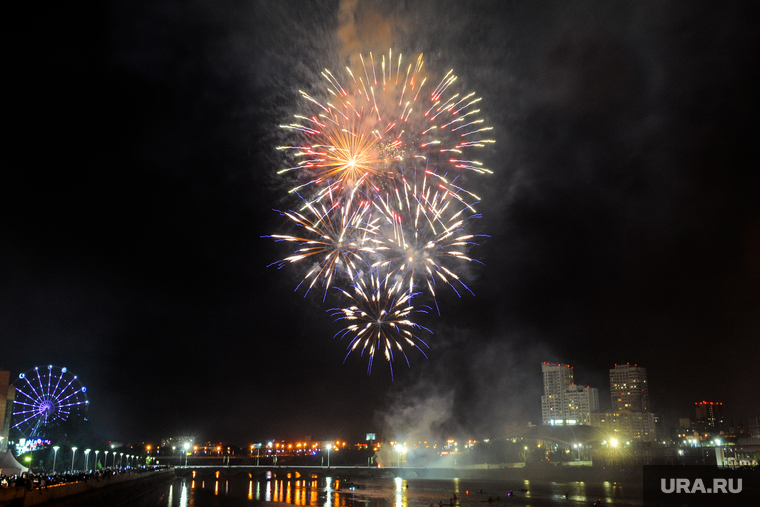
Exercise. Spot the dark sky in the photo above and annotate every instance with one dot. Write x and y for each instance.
(623, 213)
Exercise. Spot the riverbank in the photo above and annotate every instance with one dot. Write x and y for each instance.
(113, 491)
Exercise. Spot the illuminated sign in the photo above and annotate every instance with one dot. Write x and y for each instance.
(29, 445)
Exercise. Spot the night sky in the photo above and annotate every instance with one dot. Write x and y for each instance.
(623, 213)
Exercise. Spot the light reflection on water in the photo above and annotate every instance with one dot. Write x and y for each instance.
(396, 492)
(399, 482)
(183, 496)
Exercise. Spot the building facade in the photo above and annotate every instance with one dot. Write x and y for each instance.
(627, 426)
(709, 414)
(628, 388)
(563, 402)
(630, 418)
(7, 395)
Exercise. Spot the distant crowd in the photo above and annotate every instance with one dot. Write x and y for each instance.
(31, 480)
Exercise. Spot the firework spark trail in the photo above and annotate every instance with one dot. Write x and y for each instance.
(369, 124)
(426, 227)
(363, 137)
(336, 232)
(380, 318)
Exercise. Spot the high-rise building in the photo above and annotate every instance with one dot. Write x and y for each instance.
(630, 417)
(564, 402)
(709, 414)
(556, 377)
(580, 402)
(628, 388)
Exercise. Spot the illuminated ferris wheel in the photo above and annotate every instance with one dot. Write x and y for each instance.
(45, 396)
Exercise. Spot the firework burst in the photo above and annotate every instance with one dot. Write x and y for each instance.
(380, 318)
(336, 232)
(424, 229)
(375, 118)
(370, 203)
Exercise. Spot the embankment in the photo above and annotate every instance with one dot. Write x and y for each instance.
(113, 491)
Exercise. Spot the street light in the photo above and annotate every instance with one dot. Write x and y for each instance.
(55, 455)
(73, 453)
(187, 449)
(329, 446)
(95, 466)
(87, 459)
(400, 449)
(105, 461)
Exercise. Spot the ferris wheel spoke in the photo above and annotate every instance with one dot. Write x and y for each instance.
(62, 391)
(37, 395)
(69, 396)
(49, 378)
(25, 420)
(58, 383)
(52, 389)
(22, 392)
(26, 404)
(62, 405)
(39, 381)
(22, 412)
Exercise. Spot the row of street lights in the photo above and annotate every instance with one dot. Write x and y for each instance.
(130, 457)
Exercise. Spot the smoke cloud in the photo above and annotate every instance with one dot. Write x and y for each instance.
(362, 28)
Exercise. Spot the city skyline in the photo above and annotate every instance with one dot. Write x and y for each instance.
(621, 222)
(558, 382)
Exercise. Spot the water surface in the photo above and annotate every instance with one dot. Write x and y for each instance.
(390, 492)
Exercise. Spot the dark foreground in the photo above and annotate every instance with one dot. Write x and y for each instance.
(88, 492)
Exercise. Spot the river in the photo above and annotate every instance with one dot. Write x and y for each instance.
(389, 492)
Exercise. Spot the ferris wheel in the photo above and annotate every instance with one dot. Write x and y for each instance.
(45, 396)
